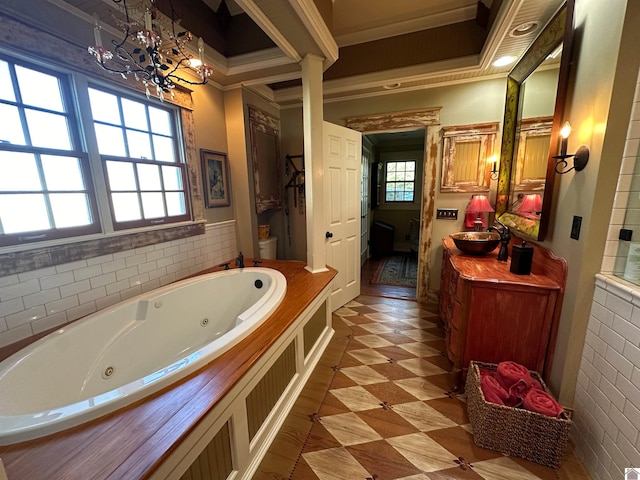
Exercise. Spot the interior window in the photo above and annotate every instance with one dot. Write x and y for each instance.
(45, 188)
(146, 178)
(400, 179)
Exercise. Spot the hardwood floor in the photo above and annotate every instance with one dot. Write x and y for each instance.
(375, 290)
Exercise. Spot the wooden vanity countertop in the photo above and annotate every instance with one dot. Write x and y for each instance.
(133, 441)
(547, 271)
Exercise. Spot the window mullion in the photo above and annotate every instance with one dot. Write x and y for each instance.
(21, 111)
(95, 163)
(45, 191)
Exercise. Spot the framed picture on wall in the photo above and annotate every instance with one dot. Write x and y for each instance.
(215, 173)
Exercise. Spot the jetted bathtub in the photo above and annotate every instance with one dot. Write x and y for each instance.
(124, 353)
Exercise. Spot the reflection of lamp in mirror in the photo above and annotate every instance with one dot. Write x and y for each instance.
(493, 160)
(580, 158)
(531, 205)
(474, 213)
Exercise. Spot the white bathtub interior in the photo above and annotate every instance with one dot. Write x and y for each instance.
(130, 350)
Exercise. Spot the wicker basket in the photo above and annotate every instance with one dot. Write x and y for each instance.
(515, 431)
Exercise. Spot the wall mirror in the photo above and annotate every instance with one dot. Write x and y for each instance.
(534, 109)
(265, 154)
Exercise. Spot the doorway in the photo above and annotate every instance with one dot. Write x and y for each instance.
(395, 164)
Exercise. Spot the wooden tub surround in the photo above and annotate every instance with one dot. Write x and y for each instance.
(493, 315)
(216, 413)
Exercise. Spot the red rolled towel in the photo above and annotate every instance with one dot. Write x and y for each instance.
(540, 401)
(517, 392)
(508, 373)
(492, 390)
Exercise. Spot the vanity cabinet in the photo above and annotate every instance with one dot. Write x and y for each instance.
(492, 315)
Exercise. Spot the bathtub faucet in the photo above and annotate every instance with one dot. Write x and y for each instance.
(240, 261)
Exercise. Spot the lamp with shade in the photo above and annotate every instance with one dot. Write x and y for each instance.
(531, 205)
(474, 213)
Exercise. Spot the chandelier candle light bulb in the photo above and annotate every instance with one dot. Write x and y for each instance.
(97, 34)
(161, 54)
(147, 20)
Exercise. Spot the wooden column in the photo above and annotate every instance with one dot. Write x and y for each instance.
(312, 108)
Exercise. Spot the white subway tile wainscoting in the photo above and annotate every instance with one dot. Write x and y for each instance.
(607, 401)
(38, 300)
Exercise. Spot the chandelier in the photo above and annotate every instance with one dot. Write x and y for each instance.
(160, 55)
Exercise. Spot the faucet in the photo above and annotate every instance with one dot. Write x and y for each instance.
(505, 238)
(240, 261)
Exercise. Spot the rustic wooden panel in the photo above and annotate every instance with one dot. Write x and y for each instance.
(314, 327)
(194, 172)
(432, 148)
(464, 157)
(216, 461)
(394, 120)
(266, 393)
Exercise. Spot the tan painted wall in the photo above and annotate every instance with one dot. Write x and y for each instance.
(211, 134)
(294, 238)
(463, 104)
(600, 98)
(241, 197)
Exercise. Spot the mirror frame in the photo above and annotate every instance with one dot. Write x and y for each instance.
(558, 30)
(262, 122)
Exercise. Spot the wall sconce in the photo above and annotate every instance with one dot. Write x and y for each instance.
(531, 205)
(580, 158)
(493, 160)
(474, 213)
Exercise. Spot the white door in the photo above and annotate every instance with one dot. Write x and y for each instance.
(342, 151)
(364, 204)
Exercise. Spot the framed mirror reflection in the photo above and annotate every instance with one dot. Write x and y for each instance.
(265, 154)
(534, 109)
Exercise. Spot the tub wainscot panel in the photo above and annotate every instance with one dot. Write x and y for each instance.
(225, 414)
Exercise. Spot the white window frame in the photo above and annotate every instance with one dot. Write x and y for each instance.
(76, 86)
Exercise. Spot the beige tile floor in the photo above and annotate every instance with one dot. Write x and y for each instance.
(380, 406)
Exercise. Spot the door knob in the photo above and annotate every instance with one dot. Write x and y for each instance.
(328, 235)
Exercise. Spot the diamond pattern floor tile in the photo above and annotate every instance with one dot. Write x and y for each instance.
(390, 411)
(349, 429)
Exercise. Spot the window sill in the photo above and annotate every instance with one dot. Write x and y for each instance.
(24, 258)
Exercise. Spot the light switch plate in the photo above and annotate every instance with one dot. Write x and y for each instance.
(575, 227)
(447, 213)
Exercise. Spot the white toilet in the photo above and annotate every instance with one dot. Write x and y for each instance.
(268, 248)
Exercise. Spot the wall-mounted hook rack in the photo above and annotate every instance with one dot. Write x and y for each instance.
(296, 181)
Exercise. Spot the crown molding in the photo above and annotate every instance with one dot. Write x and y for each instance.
(266, 80)
(249, 62)
(378, 79)
(407, 26)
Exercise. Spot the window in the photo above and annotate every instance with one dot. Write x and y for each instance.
(146, 179)
(400, 179)
(46, 186)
